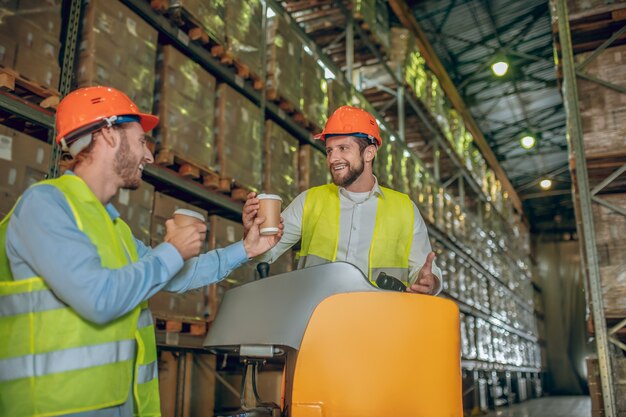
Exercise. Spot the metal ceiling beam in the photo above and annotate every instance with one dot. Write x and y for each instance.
(407, 18)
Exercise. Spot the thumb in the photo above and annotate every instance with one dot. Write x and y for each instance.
(259, 220)
(428, 265)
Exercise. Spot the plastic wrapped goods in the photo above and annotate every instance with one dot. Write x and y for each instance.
(118, 49)
(280, 163)
(239, 142)
(284, 63)
(186, 106)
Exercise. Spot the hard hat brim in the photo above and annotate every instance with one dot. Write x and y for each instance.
(148, 121)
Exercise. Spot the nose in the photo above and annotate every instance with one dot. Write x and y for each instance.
(148, 155)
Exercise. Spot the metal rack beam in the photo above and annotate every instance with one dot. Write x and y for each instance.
(193, 190)
(584, 195)
(26, 109)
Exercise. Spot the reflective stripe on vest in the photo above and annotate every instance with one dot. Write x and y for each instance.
(55, 362)
(29, 366)
(391, 240)
(30, 302)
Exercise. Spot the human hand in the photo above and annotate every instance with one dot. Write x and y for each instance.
(426, 282)
(187, 240)
(250, 209)
(256, 244)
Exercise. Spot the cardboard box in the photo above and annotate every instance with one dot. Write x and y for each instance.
(312, 167)
(284, 62)
(8, 48)
(23, 161)
(314, 91)
(239, 142)
(210, 15)
(164, 208)
(135, 208)
(186, 102)
(244, 32)
(280, 163)
(118, 49)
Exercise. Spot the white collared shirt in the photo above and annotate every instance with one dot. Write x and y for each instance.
(356, 228)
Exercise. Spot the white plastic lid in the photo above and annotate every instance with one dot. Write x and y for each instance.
(191, 213)
(269, 197)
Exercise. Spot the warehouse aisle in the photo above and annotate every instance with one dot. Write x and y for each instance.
(573, 406)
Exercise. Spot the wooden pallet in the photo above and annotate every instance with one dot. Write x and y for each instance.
(180, 331)
(190, 25)
(32, 91)
(179, 163)
(237, 191)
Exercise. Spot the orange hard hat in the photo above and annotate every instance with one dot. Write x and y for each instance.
(89, 109)
(351, 121)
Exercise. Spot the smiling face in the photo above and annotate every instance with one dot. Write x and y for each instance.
(345, 159)
(132, 155)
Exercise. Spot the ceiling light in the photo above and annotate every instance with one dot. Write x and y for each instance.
(545, 184)
(528, 141)
(500, 68)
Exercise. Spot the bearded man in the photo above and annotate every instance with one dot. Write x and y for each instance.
(354, 219)
(76, 335)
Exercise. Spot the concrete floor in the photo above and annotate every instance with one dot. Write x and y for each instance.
(575, 406)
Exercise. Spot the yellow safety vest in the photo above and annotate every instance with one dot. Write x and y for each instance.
(391, 242)
(52, 361)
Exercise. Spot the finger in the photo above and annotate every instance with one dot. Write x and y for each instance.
(201, 227)
(169, 223)
(259, 220)
(421, 289)
(250, 206)
(426, 279)
(251, 195)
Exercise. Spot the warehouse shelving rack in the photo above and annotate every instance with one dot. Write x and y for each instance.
(171, 183)
(607, 343)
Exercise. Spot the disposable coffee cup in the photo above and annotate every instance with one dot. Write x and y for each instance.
(184, 217)
(269, 207)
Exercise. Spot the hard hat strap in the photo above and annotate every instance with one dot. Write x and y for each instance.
(371, 138)
(94, 127)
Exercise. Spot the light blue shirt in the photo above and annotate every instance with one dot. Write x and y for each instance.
(43, 240)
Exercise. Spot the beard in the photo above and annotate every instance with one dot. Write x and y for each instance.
(126, 166)
(352, 175)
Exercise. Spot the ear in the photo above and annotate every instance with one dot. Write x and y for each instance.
(370, 153)
(110, 137)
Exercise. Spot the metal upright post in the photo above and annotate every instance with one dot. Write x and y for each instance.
(349, 48)
(576, 144)
(401, 109)
(67, 72)
(436, 156)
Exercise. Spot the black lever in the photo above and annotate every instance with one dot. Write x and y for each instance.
(387, 282)
(263, 268)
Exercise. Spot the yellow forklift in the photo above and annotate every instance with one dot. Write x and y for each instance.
(350, 349)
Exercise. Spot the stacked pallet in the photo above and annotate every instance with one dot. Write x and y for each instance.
(185, 103)
(118, 49)
(280, 163)
(244, 35)
(284, 64)
(314, 92)
(338, 95)
(312, 168)
(30, 41)
(239, 142)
